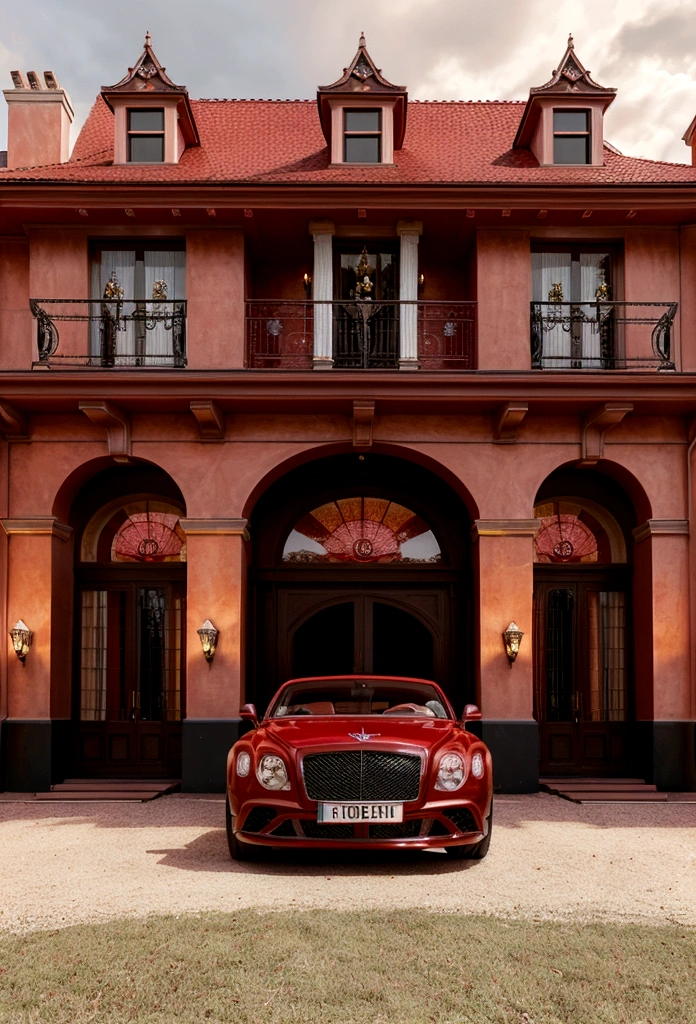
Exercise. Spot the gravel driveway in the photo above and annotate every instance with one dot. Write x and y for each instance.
(68, 863)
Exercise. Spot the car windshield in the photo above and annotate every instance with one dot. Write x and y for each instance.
(351, 696)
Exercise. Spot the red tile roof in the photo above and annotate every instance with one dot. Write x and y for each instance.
(280, 142)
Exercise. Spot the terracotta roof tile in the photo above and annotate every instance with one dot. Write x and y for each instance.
(280, 142)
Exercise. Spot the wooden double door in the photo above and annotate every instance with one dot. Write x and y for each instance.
(582, 692)
(312, 630)
(129, 683)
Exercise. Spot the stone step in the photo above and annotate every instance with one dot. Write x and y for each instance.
(98, 795)
(107, 785)
(607, 796)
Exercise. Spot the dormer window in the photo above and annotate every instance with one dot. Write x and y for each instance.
(571, 137)
(362, 136)
(146, 136)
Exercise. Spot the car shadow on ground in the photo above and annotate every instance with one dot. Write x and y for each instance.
(209, 853)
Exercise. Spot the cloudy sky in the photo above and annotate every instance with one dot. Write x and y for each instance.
(440, 49)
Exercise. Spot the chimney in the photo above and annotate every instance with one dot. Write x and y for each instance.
(38, 121)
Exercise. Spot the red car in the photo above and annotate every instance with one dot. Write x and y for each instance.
(360, 762)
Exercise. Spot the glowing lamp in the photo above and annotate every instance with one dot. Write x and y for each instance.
(512, 638)
(208, 635)
(21, 639)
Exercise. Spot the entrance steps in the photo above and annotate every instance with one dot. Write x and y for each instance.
(81, 790)
(602, 791)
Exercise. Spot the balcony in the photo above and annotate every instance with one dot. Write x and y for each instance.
(109, 334)
(379, 335)
(602, 335)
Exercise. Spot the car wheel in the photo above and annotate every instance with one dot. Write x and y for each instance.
(238, 849)
(475, 851)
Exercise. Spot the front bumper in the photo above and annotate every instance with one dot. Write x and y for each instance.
(429, 826)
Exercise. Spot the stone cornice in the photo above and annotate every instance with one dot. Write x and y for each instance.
(37, 526)
(215, 527)
(504, 528)
(661, 527)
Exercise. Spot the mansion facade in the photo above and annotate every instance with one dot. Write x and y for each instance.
(365, 384)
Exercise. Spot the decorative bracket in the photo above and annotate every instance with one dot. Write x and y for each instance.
(363, 419)
(210, 419)
(595, 425)
(13, 424)
(116, 422)
(508, 419)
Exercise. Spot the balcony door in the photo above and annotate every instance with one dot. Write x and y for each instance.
(366, 311)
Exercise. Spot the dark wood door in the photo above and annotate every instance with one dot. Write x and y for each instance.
(581, 673)
(129, 695)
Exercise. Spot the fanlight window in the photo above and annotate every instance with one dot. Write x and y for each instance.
(148, 537)
(362, 530)
(569, 534)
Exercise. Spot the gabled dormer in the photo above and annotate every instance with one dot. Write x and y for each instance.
(563, 122)
(153, 122)
(363, 116)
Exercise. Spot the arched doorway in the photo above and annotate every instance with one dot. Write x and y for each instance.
(130, 589)
(361, 564)
(583, 678)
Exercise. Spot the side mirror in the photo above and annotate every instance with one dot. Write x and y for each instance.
(249, 713)
(471, 714)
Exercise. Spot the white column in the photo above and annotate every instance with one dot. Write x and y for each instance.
(322, 290)
(410, 232)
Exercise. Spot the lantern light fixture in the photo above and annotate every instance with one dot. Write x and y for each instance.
(208, 635)
(512, 638)
(307, 281)
(21, 639)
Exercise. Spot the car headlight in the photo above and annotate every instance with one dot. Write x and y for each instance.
(272, 772)
(477, 765)
(243, 764)
(451, 773)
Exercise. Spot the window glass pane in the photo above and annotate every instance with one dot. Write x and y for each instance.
(363, 120)
(571, 149)
(147, 149)
(570, 120)
(146, 120)
(362, 149)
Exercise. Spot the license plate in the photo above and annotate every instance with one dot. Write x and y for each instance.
(355, 812)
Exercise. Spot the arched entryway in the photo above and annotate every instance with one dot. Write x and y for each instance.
(583, 668)
(130, 589)
(361, 564)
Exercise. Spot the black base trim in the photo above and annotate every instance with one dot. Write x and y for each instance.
(205, 746)
(514, 746)
(35, 753)
(666, 754)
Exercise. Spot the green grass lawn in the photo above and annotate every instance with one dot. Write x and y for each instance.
(376, 968)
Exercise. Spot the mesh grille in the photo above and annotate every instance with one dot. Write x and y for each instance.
(362, 775)
(402, 830)
(315, 830)
(258, 818)
(462, 818)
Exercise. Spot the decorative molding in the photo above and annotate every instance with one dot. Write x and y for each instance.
(594, 427)
(211, 420)
(363, 420)
(504, 528)
(116, 422)
(409, 227)
(45, 526)
(13, 423)
(216, 527)
(661, 527)
(322, 227)
(508, 420)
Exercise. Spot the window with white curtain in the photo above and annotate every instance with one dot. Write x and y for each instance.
(153, 280)
(569, 283)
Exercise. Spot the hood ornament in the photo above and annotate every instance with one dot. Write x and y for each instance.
(362, 736)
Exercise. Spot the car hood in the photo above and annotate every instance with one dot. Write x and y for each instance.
(338, 731)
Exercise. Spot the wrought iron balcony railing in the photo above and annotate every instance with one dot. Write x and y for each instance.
(110, 333)
(602, 335)
(281, 334)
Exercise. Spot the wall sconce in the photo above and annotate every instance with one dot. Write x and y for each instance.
(307, 285)
(421, 280)
(512, 638)
(208, 636)
(21, 639)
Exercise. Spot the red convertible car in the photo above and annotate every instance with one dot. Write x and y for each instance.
(362, 762)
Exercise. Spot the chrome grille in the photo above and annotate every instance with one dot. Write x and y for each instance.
(362, 775)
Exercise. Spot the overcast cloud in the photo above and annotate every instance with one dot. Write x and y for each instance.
(440, 49)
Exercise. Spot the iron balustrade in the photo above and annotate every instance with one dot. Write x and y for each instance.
(602, 335)
(116, 333)
(364, 335)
